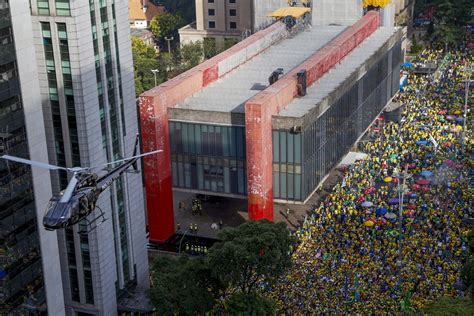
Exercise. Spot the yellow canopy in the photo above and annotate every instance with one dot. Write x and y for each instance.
(376, 3)
(296, 12)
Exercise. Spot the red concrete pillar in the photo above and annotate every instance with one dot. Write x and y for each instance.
(258, 129)
(157, 168)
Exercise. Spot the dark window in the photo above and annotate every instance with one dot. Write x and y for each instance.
(233, 25)
(212, 24)
(211, 12)
(210, 1)
(232, 12)
(231, 1)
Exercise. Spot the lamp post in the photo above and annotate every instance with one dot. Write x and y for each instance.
(181, 241)
(401, 193)
(466, 93)
(169, 43)
(155, 71)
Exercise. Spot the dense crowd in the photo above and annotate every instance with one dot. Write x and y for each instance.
(354, 256)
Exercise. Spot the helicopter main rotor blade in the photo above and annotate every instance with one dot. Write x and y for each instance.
(34, 163)
(127, 159)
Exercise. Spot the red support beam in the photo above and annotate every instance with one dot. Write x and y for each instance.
(260, 108)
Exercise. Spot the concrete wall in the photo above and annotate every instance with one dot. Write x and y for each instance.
(154, 106)
(35, 130)
(340, 12)
(262, 8)
(260, 108)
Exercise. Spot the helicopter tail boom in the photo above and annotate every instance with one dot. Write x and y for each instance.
(135, 151)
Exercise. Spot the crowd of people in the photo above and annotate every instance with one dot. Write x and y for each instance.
(355, 254)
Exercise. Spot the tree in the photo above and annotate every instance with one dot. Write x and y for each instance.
(165, 25)
(191, 54)
(181, 286)
(185, 8)
(452, 17)
(467, 272)
(144, 60)
(450, 306)
(249, 304)
(253, 253)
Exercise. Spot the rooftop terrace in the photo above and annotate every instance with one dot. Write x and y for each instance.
(249, 79)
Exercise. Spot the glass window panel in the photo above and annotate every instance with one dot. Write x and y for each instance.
(198, 138)
(225, 141)
(240, 180)
(240, 142)
(171, 131)
(226, 180)
(290, 185)
(180, 174)
(184, 134)
(290, 146)
(174, 169)
(276, 146)
(283, 185)
(298, 148)
(200, 177)
(191, 137)
(187, 175)
(298, 187)
(276, 185)
(283, 146)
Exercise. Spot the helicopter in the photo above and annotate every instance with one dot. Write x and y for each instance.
(79, 199)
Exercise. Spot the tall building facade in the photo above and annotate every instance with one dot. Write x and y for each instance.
(228, 19)
(85, 70)
(30, 273)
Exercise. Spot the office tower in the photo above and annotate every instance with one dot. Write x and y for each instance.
(221, 20)
(30, 277)
(85, 70)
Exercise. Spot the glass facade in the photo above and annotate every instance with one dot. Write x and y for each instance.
(208, 157)
(111, 109)
(332, 134)
(212, 158)
(21, 277)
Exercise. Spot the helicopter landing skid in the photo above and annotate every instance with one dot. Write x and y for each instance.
(90, 222)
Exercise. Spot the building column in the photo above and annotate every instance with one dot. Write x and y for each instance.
(258, 129)
(157, 168)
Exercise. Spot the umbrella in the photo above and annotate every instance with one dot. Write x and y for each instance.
(468, 221)
(410, 213)
(421, 142)
(450, 117)
(426, 173)
(457, 112)
(422, 181)
(381, 211)
(367, 204)
(416, 187)
(387, 179)
(442, 112)
(390, 216)
(361, 199)
(395, 180)
(369, 190)
(448, 144)
(425, 189)
(460, 119)
(459, 286)
(453, 130)
(449, 163)
(369, 223)
(393, 201)
(411, 206)
(406, 65)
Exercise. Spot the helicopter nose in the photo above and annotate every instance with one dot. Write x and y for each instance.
(51, 223)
